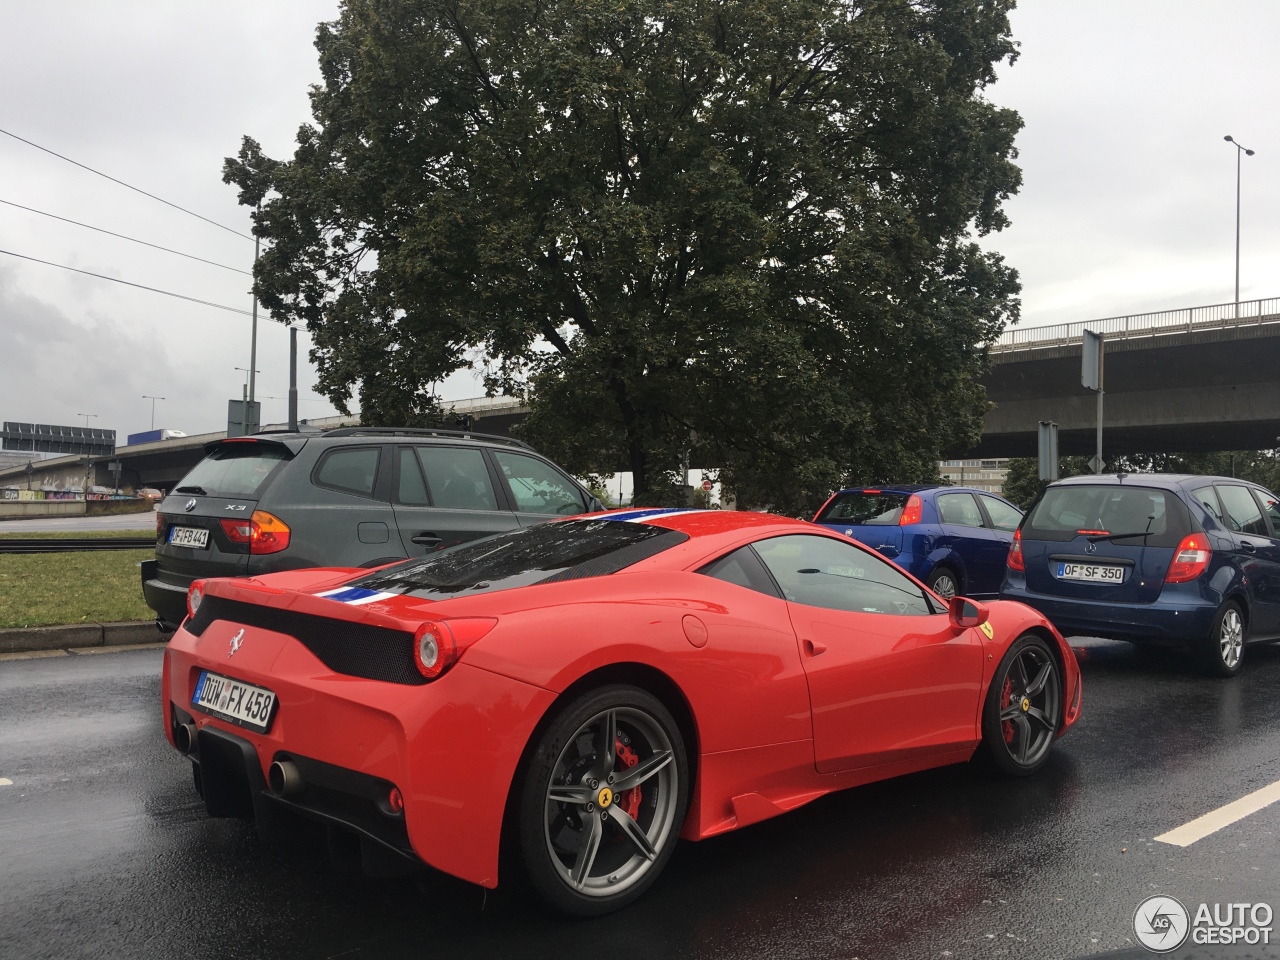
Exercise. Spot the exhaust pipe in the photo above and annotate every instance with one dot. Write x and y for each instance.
(184, 738)
(284, 779)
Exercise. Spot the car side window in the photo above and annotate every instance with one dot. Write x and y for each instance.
(1270, 507)
(742, 567)
(824, 572)
(959, 509)
(539, 487)
(1242, 510)
(349, 469)
(1209, 500)
(457, 478)
(1004, 516)
(412, 490)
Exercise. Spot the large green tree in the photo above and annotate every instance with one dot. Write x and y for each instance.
(749, 222)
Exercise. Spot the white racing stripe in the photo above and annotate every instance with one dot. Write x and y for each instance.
(1215, 820)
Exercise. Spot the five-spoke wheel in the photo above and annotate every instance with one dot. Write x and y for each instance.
(1223, 650)
(603, 800)
(1024, 708)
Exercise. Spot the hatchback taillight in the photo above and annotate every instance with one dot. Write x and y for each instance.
(264, 532)
(1190, 559)
(1015, 560)
(911, 511)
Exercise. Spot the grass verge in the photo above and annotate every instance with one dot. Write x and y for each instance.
(41, 589)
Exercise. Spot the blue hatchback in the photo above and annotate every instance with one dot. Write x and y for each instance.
(1155, 558)
(955, 539)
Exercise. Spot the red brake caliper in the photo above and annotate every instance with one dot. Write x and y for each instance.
(1006, 697)
(628, 800)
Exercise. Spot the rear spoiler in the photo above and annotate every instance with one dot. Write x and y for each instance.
(291, 443)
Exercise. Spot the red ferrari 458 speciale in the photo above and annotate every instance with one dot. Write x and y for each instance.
(589, 690)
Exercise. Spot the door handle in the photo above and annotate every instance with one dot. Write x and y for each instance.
(1247, 546)
(427, 540)
(813, 648)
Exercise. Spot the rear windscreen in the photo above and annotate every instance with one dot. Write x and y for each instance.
(546, 553)
(1067, 512)
(861, 506)
(235, 471)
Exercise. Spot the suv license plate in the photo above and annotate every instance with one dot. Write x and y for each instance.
(194, 537)
(1093, 572)
(241, 703)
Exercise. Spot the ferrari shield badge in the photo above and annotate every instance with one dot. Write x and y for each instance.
(988, 629)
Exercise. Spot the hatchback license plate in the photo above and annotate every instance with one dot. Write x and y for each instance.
(194, 537)
(241, 703)
(1097, 573)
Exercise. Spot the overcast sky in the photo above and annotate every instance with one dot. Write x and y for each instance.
(1128, 202)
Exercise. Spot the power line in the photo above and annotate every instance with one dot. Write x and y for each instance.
(123, 184)
(100, 276)
(154, 246)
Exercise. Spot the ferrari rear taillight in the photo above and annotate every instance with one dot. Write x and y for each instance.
(438, 644)
(1015, 561)
(395, 801)
(195, 595)
(912, 511)
(264, 532)
(1190, 559)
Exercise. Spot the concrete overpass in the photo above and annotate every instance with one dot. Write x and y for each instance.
(1192, 380)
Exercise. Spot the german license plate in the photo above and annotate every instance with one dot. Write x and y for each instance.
(240, 703)
(1093, 572)
(194, 537)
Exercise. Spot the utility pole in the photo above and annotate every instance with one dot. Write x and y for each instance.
(1240, 152)
(1091, 379)
(253, 342)
(293, 378)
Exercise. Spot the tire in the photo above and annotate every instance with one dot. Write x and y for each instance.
(1023, 709)
(569, 808)
(944, 582)
(1222, 652)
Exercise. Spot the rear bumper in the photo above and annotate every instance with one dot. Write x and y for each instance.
(451, 747)
(168, 600)
(1163, 619)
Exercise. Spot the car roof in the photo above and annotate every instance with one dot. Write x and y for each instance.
(919, 488)
(1164, 480)
(295, 440)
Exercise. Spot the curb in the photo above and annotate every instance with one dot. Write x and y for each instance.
(79, 635)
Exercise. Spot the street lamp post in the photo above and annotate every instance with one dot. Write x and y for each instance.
(153, 407)
(1240, 151)
(86, 418)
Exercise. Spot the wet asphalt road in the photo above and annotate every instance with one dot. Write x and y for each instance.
(105, 850)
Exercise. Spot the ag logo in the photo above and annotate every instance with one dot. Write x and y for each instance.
(1161, 924)
(236, 641)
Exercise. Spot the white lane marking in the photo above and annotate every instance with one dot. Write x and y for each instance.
(1224, 816)
(5, 782)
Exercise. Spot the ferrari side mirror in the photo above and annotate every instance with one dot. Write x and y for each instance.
(966, 613)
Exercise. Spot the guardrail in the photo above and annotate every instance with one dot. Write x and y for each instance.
(73, 545)
(1185, 320)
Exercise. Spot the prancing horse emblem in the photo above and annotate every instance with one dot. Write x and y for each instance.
(236, 641)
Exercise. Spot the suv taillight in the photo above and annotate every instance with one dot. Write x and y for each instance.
(911, 511)
(1015, 561)
(1190, 559)
(159, 526)
(264, 532)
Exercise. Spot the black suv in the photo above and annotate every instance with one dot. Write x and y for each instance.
(354, 497)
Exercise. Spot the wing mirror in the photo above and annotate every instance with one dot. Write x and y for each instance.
(966, 613)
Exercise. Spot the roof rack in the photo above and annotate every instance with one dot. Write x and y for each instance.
(425, 432)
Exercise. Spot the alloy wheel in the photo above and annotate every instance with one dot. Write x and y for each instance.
(1230, 638)
(1030, 705)
(612, 801)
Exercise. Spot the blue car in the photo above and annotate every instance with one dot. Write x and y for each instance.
(1154, 558)
(955, 539)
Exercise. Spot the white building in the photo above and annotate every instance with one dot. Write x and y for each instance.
(985, 475)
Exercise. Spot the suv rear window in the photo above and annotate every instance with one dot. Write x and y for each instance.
(234, 470)
(548, 552)
(863, 506)
(1067, 512)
